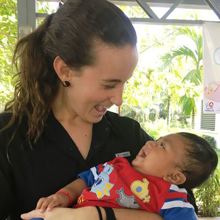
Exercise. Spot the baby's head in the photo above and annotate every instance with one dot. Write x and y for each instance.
(181, 158)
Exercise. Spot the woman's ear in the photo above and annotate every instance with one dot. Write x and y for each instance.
(175, 177)
(61, 69)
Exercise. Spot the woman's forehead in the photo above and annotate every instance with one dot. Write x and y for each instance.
(116, 60)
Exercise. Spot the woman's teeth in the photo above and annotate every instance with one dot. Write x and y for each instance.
(100, 108)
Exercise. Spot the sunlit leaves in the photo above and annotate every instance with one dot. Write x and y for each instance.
(168, 77)
(8, 38)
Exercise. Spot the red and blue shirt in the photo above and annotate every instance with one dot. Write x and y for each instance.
(117, 184)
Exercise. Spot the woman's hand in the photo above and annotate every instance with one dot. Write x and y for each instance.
(84, 213)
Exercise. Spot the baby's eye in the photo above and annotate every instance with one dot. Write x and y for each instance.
(161, 144)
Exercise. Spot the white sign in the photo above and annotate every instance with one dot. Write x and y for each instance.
(211, 60)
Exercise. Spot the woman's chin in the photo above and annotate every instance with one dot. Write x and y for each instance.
(97, 119)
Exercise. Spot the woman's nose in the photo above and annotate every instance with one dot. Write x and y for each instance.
(116, 97)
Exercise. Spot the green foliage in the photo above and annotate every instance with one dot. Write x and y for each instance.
(43, 7)
(8, 38)
(170, 88)
(208, 196)
(132, 10)
(188, 104)
(192, 78)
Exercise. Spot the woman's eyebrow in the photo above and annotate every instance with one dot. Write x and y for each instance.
(112, 80)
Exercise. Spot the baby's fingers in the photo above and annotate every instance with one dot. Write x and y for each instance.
(52, 204)
(44, 203)
(40, 202)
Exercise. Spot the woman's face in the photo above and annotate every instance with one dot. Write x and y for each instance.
(96, 88)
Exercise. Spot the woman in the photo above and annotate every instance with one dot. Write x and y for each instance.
(71, 69)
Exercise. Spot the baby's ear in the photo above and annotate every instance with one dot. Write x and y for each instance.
(176, 177)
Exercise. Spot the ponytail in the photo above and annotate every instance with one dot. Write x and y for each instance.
(36, 81)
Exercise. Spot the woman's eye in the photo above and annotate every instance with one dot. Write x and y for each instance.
(109, 86)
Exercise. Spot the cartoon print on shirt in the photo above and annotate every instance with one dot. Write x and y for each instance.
(102, 186)
(140, 189)
(126, 201)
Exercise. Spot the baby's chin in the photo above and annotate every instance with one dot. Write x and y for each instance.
(134, 162)
(137, 168)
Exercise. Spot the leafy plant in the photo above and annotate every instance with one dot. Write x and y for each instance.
(8, 38)
(208, 196)
(192, 79)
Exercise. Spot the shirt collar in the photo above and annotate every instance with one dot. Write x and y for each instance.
(101, 130)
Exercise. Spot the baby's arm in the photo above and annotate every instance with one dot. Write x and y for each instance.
(62, 198)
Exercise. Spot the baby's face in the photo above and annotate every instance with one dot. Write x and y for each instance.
(162, 157)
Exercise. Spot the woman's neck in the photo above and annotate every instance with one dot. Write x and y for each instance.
(80, 131)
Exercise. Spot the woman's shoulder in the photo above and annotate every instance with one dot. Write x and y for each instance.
(126, 126)
(123, 125)
(4, 129)
(5, 118)
(11, 132)
(7, 125)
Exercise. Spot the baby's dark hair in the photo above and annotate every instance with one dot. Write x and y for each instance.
(201, 160)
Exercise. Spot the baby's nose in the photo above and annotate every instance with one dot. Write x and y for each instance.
(150, 145)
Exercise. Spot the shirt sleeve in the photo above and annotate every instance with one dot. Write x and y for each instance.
(176, 205)
(180, 213)
(6, 196)
(91, 175)
(6, 181)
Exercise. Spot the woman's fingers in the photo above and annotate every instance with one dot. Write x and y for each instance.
(37, 213)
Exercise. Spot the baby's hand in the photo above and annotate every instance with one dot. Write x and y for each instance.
(55, 200)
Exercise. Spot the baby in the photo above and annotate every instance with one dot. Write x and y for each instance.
(155, 181)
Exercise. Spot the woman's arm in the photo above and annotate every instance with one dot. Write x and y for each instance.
(134, 214)
(91, 213)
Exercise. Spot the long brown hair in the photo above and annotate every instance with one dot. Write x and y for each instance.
(69, 33)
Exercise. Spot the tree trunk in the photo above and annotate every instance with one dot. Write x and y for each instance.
(193, 118)
(168, 112)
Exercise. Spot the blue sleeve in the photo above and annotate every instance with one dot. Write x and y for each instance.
(179, 213)
(89, 176)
